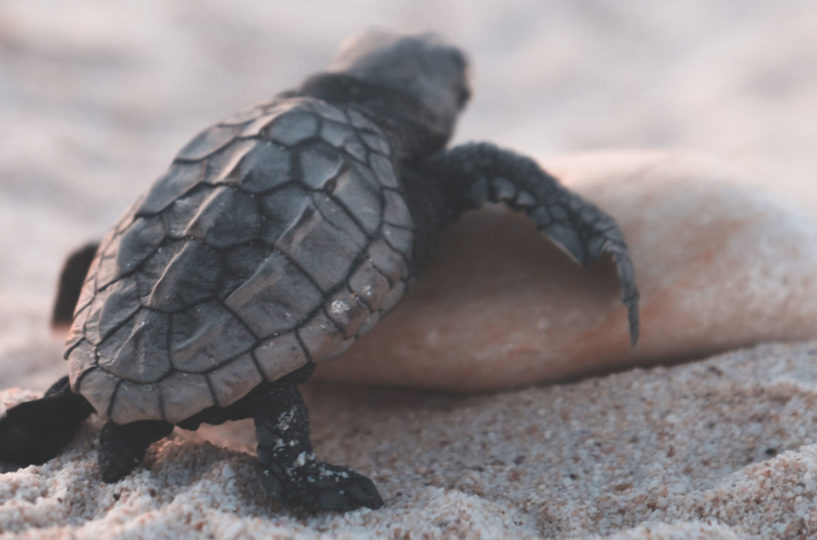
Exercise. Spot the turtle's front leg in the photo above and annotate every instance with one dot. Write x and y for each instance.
(476, 173)
(292, 474)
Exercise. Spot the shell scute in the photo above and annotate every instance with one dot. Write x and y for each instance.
(275, 297)
(178, 180)
(257, 125)
(208, 142)
(401, 240)
(279, 355)
(117, 304)
(319, 164)
(370, 284)
(179, 274)
(339, 218)
(230, 381)
(135, 401)
(265, 167)
(240, 263)
(384, 170)
(396, 210)
(181, 213)
(338, 134)
(184, 392)
(329, 112)
(324, 252)
(281, 209)
(388, 262)
(359, 192)
(138, 351)
(107, 270)
(322, 337)
(348, 311)
(376, 142)
(81, 358)
(204, 336)
(293, 127)
(99, 388)
(226, 217)
(137, 243)
(221, 166)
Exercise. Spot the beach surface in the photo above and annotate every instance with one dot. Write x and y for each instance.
(721, 448)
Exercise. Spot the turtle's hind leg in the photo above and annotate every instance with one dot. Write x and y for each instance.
(122, 447)
(34, 431)
(291, 472)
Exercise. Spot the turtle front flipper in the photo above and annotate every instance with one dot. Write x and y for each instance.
(34, 431)
(476, 173)
(70, 283)
(291, 471)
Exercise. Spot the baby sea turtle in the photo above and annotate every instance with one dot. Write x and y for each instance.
(275, 239)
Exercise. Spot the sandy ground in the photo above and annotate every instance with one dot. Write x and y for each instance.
(95, 100)
(714, 449)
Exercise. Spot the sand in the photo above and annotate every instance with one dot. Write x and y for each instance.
(95, 100)
(720, 448)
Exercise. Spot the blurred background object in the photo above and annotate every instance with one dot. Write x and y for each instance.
(96, 97)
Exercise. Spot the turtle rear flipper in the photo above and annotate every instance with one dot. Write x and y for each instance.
(34, 431)
(291, 472)
(122, 447)
(476, 173)
(70, 283)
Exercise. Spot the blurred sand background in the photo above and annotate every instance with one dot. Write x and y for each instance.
(96, 97)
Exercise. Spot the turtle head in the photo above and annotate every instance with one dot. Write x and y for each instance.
(424, 67)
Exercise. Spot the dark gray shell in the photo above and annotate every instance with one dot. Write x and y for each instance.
(276, 237)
